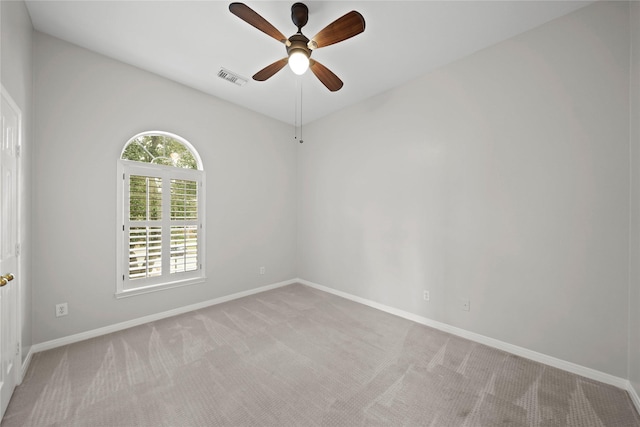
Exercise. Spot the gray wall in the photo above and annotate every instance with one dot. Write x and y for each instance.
(634, 229)
(16, 75)
(87, 106)
(502, 178)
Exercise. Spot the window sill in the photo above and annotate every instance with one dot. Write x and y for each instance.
(161, 287)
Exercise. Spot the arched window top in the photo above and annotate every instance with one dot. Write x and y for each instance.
(162, 148)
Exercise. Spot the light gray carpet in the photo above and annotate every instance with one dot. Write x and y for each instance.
(295, 356)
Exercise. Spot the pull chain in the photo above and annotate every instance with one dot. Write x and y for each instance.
(295, 113)
(298, 112)
(301, 140)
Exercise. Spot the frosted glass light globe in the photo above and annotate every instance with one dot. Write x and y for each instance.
(298, 62)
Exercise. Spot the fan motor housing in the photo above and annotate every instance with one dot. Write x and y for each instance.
(299, 42)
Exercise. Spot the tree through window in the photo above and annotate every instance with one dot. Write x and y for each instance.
(160, 150)
(161, 205)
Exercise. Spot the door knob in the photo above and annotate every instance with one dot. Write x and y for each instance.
(6, 279)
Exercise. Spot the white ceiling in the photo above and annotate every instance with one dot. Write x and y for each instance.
(189, 41)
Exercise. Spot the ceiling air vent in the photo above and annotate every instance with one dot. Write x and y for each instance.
(232, 77)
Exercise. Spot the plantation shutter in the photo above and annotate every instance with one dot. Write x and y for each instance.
(161, 224)
(184, 225)
(145, 226)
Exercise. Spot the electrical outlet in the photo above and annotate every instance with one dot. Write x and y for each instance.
(62, 309)
(262, 270)
(465, 304)
(425, 295)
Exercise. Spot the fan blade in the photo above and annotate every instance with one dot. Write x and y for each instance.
(270, 70)
(249, 16)
(325, 75)
(341, 29)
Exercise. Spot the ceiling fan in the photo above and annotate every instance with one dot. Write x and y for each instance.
(299, 47)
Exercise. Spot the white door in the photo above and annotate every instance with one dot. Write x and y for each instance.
(10, 117)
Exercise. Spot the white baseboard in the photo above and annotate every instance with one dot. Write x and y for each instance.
(25, 365)
(48, 345)
(491, 342)
(633, 394)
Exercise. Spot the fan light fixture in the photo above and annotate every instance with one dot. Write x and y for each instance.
(299, 47)
(298, 62)
(299, 53)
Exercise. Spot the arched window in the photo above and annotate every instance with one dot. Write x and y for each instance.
(161, 214)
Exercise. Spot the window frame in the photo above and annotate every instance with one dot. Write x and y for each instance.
(166, 280)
